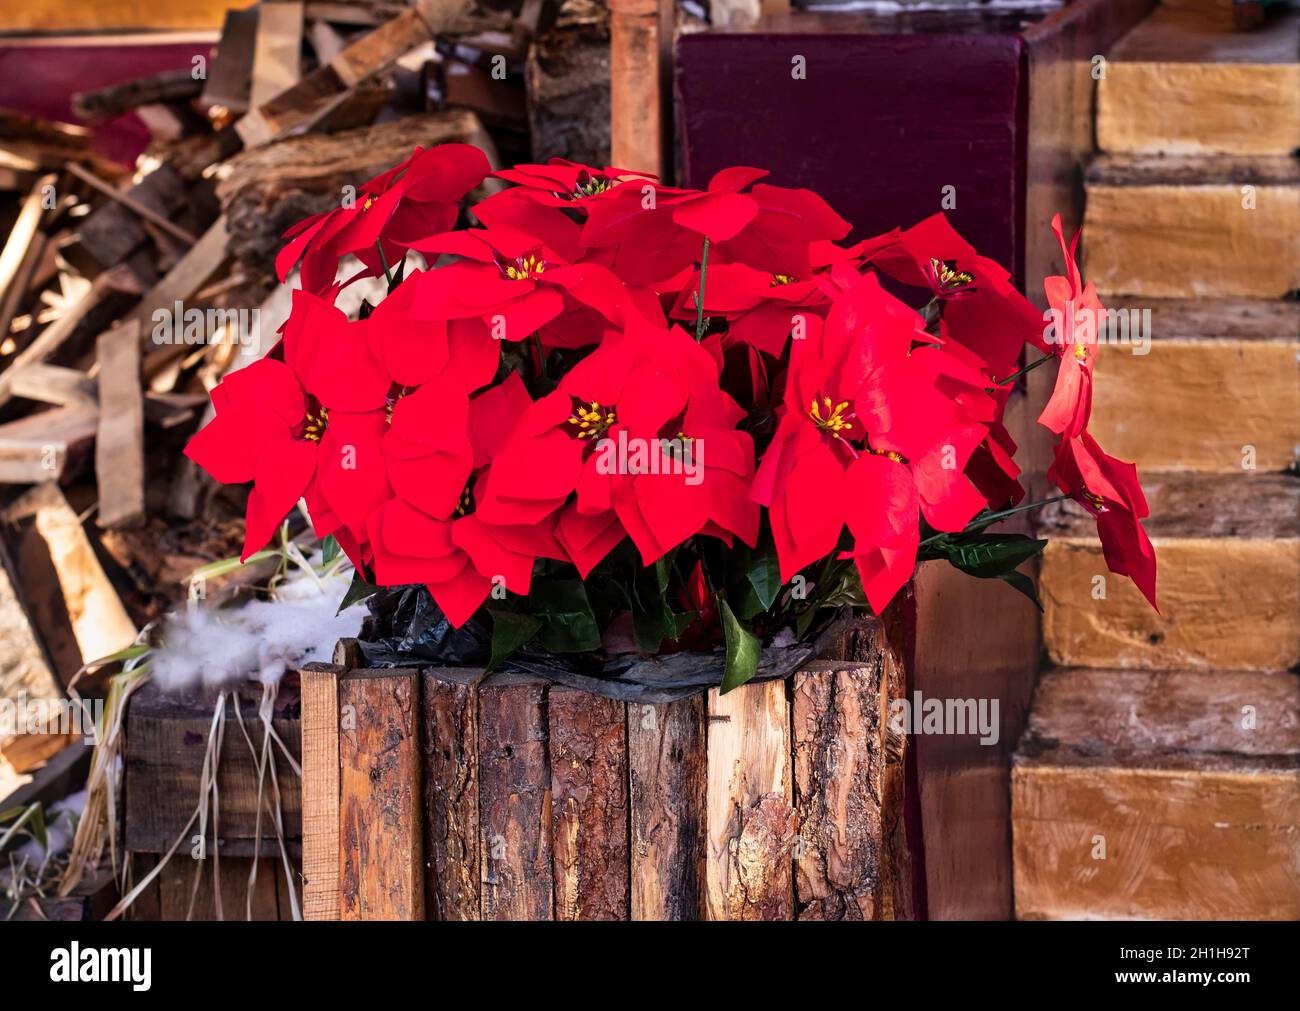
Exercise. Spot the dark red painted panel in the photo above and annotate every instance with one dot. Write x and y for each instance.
(41, 80)
(880, 125)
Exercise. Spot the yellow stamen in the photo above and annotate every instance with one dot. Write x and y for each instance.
(594, 420)
(949, 278)
(833, 420)
(315, 425)
(782, 279)
(526, 267)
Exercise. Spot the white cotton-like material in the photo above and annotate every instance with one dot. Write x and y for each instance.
(260, 639)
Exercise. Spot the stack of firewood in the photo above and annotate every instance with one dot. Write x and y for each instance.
(124, 290)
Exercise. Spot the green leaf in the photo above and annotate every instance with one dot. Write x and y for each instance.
(568, 624)
(358, 591)
(742, 652)
(509, 632)
(652, 616)
(329, 549)
(989, 556)
(765, 576)
(1024, 584)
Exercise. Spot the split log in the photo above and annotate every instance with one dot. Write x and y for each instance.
(666, 776)
(589, 826)
(451, 752)
(320, 791)
(116, 99)
(119, 445)
(514, 800)
(277, 50)
(231, 72)
(751, 822)
(381, 864)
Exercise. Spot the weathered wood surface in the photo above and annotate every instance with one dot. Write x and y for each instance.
(166, 740)
(450, 706)
(320, 791)
(667, 757)
(1159, 795)
(381, 860)
(230, 73)
(119, 443)
(514, 800)
(750, 821)
(589, 806)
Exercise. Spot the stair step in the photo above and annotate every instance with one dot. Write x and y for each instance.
(1147, 795)
(1188, 227)
(1178, 87)
(1217, 386)
(1228, 585)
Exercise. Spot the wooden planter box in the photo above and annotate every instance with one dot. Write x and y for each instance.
(448, 794)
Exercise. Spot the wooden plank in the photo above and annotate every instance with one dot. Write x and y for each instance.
(190, 273)
(451, 755)
(667, 762)
(119, 445)
(167, 736)
(516, 880)
(21, 235)
(49, 340)
(375, 50)
(175, 883)
(589, 812)
(381, 859)
(277, 50)
(636, 92)
(327, 42)
(750, 820)
(840, 732)
(1169, 796)
(130, 203)
(231, 70)
(54, 384)
(320, 791)
(37, 447)
(112, 232)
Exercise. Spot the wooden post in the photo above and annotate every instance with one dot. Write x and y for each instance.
(750, 824)
(514, 799)
(666, 757)
(451, 792)
(381, 859)
(637, 95)
(589, 827)
(320, 791)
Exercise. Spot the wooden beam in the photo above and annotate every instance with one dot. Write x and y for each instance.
(231, 70)
(750, 820)
(666, 757)
(636, 92)
(381, 857)
(320, 791)
(589, 826)
(190, 273)
(119, 445)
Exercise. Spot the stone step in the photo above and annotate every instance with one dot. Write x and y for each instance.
(1174, 86)
(1148, 795)
(1205, 385)
(1229, 579)
(1193, 227)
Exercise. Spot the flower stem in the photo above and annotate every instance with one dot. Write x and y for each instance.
(1027, 369)
(981, 522)
(699, 303)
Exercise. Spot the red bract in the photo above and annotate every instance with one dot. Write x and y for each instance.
(1108, 488)
(419, 197)
(1076, 314)
(525, 397)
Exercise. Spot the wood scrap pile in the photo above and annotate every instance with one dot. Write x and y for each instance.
(125, 292)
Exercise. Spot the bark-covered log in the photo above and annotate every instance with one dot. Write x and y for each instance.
(451, 793)
(514, 800)
(381, 860)
(666, 774)
(589, 827)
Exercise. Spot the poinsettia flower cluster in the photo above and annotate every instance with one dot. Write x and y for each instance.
(772, 379)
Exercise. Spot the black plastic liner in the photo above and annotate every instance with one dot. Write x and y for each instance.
(407, 629)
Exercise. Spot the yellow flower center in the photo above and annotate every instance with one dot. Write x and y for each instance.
(830, 418)
(370, 202)
(778, 280)
(948, 277)
(593, 421)
(1094, 500)
(1081, 352)
(466, 504)
(526, 267)
(315, 424)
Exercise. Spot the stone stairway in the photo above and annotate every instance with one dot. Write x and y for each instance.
(1159, 776)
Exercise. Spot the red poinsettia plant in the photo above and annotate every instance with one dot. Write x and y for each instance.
(618, 411)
